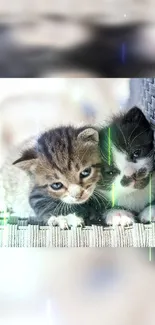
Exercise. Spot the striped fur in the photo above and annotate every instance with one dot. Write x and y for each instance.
(59, 156)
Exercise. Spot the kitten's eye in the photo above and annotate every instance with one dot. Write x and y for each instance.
(110, 173)
(85, 173)
(56, 186)
(136, 153)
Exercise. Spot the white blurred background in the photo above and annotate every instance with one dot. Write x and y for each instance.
(77, 286)
(112, 11)
(29, 106)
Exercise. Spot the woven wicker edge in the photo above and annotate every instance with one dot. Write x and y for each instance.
(138, 235)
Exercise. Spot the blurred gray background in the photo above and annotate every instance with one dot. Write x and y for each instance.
(42, 38)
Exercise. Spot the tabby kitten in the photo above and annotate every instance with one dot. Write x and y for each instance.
(58, 174)
(127, 168)
(66, 186)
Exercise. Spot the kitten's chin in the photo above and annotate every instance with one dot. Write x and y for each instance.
(74, 201)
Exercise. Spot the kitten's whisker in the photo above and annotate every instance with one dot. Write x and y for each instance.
(103, 156)
(150, 153)
(100, 195)
(59, 205)
(122, 134)
(71, 210)
(95, 198)
(103, 200)
(134, 128)
(98, 192)
(138, 136)
(44, 211)
(61, 209)
(66, 208)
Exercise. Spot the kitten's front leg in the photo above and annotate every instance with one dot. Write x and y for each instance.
(66, 222)
(44, 206)
(148, 214)
(117, 217)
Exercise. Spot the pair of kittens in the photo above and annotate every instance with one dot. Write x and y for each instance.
(75, 176)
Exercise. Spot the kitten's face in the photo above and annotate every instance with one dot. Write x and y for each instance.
(127, 153)
(77, 185)
(67, 163)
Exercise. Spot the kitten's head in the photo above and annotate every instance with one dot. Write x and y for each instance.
(127, 152)
(65, 162)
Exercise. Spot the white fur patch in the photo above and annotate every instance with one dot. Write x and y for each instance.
(118, 217)
(69, 199)
(65, 222)
(148, 214)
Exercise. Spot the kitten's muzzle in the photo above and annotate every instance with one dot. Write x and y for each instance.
(136, 177)
(78, 194)
(75, 191)
(141, 173)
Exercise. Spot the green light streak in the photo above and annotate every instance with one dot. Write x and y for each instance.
(109, 146)
(4, 216)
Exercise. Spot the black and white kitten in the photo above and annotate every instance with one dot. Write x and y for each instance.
(127, 168)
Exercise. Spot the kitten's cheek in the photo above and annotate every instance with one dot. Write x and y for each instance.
(90, 191)
(87, 194)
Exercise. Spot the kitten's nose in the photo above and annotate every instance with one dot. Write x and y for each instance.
(75, 191)
(129, 171)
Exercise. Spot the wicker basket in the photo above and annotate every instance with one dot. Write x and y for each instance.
(139, 235)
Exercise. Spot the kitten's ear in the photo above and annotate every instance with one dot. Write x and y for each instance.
(135, 115)
(28, 160)
(89, 135)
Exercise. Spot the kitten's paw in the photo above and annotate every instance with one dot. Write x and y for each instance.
(60, 221)
(65, 222)
(75, 221)
(147, 215)
(118, 217)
